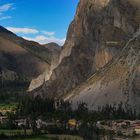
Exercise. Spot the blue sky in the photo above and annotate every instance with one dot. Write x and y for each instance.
(39, 20)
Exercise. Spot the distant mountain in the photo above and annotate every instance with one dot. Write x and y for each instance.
(21, 59)
(99, 62)
(33, 47)
(53, 47)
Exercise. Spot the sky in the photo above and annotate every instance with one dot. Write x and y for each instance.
(43, 21)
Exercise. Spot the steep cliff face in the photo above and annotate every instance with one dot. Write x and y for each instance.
(97, 34)
(117, 82)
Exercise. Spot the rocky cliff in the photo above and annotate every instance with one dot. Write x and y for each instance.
(117, 82)
(97, 35)
(55, 50)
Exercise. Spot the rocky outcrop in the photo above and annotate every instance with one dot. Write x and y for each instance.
(96, 36)
(55, 50)
(37, 82)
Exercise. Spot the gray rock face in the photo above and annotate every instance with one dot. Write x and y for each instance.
(95, 37)
(117, 82)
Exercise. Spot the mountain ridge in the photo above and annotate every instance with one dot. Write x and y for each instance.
(21, 60)
(96, 36)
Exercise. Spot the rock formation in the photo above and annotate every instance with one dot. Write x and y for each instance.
(97, 35)
(117, 82)
(55, 50)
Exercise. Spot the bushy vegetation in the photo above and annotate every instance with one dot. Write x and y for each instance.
(10, 106)
(11, 92)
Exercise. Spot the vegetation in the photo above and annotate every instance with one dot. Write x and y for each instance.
(11, 92)
(53, 137)
(14, 132)
(10, 106)
(45, 109)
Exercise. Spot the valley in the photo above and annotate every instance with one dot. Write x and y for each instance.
(86, 87)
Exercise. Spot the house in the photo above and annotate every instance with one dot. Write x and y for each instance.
(3, 119)
(21, 122)
(137, 129)
(73, 124)
(43, 124)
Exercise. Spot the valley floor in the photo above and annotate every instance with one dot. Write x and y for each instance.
(50, 137)
(53, 137)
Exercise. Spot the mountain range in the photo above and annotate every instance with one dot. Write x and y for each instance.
(21, 60)
(99, 62)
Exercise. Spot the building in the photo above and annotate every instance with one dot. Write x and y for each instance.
(72, 124)
(3, 119)
(137, 130)
(21, 122)
(43, 124)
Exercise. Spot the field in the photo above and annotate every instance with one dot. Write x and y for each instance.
(41, 137)
(53, 137)
(15, 132)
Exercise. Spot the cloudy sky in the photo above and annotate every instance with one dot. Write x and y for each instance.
(39, 20)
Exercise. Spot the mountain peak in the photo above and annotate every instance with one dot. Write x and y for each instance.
(96, 37)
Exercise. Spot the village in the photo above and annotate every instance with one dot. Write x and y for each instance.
(71, 124)
(126, 128)
(121, 128)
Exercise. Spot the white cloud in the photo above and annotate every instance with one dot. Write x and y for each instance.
(5, 17)
(5, 7)
(48, 33)
(40, 38)
(23, 30)
(44, 40)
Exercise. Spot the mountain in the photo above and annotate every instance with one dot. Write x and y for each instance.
(21, 59)
(33, 47)
(55, 50)
(103, 34)
(53, 47)
(116, 83)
